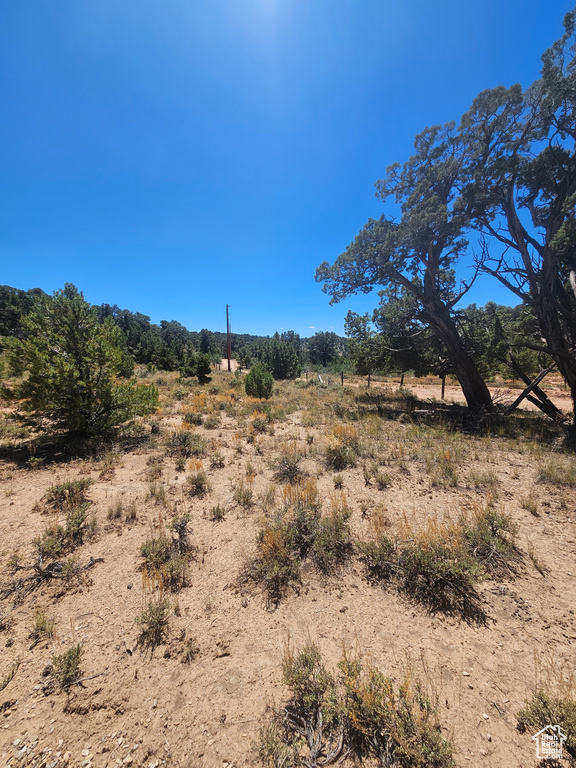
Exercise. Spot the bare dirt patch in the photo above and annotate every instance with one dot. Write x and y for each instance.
(199, 697)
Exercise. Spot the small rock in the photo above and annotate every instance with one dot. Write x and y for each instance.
(486, 717)
(483, 752)
(16, 742)
(85, 752)
(488, 737)
(466, 674)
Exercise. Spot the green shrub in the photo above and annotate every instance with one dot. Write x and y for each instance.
(433, 566)
(64, 670)
(287, 465)
(58, 539)
(398, 726)
(194, 418)
(542, 710)
(197, 483)
(275, 564)
(75, 366)
(363, 714)
(165, 562)
(153, 622)
(340, 456)
(70, 494)
(490, 536)
(258, 382)
(332, 540)
(182, 442)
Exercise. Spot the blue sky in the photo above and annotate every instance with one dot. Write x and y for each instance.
(172, 156)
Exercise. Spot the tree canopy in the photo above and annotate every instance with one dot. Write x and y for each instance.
(75, 368)
(508, 172)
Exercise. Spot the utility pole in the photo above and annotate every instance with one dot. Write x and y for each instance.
(228, 342)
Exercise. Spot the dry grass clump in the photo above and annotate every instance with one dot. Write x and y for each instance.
(440, 563)
(69, 495)
(165, 558)
(431, 564)
(287, 465)
(153, 621)
(344, 447)
(442, 466)
(42, 626)
(296, 531)
(558, 471)
(359, 713)
(490, 536)
(64, 669)
(243, 492)
(197, 481)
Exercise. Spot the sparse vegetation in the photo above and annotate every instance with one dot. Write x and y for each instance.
(543, 709)
(153, 621)
(358, 714)
(64, 669)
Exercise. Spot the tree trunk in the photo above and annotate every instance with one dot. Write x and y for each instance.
(473, 386)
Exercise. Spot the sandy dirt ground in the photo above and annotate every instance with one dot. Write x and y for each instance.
(148, 708)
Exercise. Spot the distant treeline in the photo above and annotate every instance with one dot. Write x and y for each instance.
(168, 346)
(499, 338)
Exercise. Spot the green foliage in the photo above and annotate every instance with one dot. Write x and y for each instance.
(281, 355)
(332, 540)
(165, 560)
(68, 495)
(312, 687)
(203, 368)
(287, 465)
(323, 348)
(244, 357)
(182, 442)
(198, 365)
(197, 483)
(58, 539)
(340, 456)
(360, 714)
(259, 382)
(542, 709)
(153, 622)
(64, 669)
(433, 566)
(490, 536)
(276, 564)
(73, 363)
(399, 726)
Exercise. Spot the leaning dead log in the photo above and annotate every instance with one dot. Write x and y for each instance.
(534, 394)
